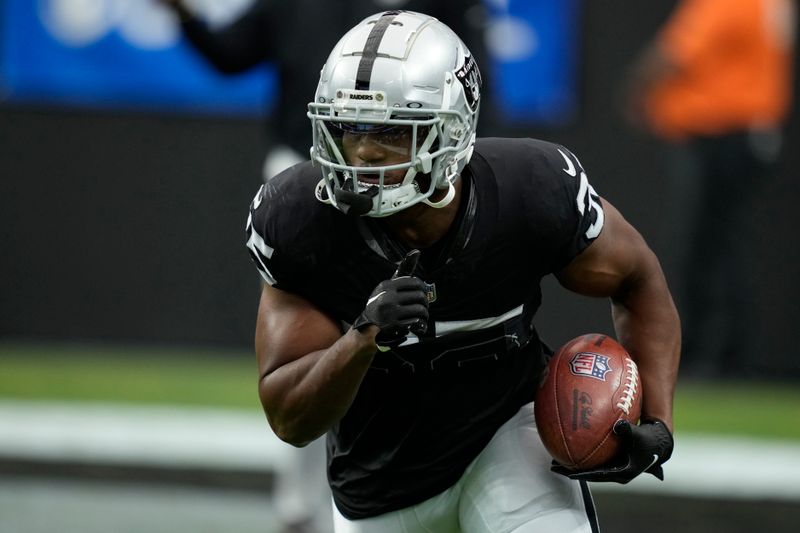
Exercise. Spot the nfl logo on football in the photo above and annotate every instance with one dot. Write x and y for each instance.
(591, 365)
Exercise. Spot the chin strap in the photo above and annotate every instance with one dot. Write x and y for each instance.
(321, 192)
(451, 193)
(451, 172)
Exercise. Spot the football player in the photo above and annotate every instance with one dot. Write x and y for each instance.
(295, 37)
(403, 268)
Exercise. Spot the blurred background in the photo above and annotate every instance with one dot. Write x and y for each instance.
(128, 301)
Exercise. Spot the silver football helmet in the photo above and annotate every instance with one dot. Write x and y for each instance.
(407, 83)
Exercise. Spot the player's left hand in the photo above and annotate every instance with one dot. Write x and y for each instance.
(647, 447)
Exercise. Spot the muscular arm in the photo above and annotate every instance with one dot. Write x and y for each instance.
(309, 372)
(620, 265)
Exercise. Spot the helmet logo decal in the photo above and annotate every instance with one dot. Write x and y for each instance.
(470, 77)
(370, 52)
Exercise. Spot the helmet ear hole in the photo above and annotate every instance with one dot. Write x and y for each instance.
(455, 130)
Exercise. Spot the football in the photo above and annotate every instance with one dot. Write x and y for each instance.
(588, 385)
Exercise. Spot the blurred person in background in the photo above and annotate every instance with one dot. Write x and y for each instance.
(402, 277)
(296, 36)
(715, 85)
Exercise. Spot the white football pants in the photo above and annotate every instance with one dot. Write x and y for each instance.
(507, 488)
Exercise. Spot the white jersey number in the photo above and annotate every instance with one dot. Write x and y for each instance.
(587, 198)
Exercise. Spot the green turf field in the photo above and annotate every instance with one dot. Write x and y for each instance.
(227, 379)
(202, 377)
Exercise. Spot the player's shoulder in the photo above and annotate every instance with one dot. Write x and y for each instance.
(289, 230)
(286, 206)
(292, 192)
(295, 185)
(526, 156)
(535, 171)
(542, 183)
(505, 145)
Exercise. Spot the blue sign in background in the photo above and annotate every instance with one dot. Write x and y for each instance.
(533, 45)
(35, 66)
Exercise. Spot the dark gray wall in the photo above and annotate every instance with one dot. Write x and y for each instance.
(126, 227)
(130, 227)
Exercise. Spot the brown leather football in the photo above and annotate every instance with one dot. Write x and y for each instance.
(589, 384)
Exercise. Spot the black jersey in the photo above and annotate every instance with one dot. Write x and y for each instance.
(427, 408)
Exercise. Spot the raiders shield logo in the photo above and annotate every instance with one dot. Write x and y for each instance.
(470, 77)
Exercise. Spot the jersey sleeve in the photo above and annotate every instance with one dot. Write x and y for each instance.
(564, 211)
(267, 240)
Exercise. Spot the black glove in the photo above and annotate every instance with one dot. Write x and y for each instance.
(647, 447)
(397, 305)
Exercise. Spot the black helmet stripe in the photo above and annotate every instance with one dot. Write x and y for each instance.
(370, 52)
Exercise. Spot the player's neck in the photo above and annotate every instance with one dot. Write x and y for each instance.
(421, 225)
